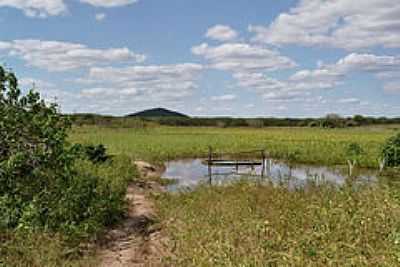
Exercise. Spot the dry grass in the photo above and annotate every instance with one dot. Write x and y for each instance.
(251, 225)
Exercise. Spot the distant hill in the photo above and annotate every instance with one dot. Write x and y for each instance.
(157, 113)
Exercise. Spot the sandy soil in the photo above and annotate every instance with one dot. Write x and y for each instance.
(137, 241)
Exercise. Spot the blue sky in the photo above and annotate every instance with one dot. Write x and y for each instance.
(208, 58)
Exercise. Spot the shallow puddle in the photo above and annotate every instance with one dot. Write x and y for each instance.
(189, 173)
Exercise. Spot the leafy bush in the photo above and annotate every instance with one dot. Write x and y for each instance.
(96, 154)
(42, 182)
(391, 151)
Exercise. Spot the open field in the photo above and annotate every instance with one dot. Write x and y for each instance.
(246, 224)
(251, 225)
(302, 145)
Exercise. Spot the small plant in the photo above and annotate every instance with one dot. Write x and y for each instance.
(354, 153)
(96, 154)
(391, 151)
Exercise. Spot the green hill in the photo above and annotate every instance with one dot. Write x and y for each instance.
(158, 113)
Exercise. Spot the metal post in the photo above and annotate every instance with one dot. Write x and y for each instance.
(263, 163)
(210, 164)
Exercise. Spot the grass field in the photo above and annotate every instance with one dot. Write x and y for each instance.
(245, 224)
(252, 225)
(303, 145)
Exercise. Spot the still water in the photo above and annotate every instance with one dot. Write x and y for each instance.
(191, 172)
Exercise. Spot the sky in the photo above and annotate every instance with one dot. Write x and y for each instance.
(287, 58)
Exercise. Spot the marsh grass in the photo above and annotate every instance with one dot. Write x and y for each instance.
(307, 145)
(246, 224)
(39, 250)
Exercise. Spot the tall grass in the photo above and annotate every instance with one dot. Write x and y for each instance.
(251, 225)
(315, 146)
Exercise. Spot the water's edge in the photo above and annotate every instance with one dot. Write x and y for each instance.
(188, 173)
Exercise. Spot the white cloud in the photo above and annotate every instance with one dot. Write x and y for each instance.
(386, 68)
(303, 82)
(100, 16)
(122, 90)
(50, 92)
(32, 83)
(109, 3)
(142, 83)
(63, 56)
(228, 97)
(46, 8)
(239, 57)
(37, 8)
(345, 24)
(221, 33)
(349, 101)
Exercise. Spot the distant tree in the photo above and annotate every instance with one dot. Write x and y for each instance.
(255, 123)
(351, 123)
(359, 119)
(332, 121)
(314, 124)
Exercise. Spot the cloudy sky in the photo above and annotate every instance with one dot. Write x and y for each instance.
(282, 58)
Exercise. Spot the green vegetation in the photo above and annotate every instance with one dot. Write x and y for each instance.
(391, 151)
(310, 145)
(48, 187)
(56, 195)
(167, 118)
(249, 224)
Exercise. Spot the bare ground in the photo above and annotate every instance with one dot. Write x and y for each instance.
(137, 241)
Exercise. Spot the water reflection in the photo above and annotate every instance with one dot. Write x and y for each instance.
(189, 173)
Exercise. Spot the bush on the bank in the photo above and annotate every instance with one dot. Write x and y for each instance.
(43, 184)
(391, 151)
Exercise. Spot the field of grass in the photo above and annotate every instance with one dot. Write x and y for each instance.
(303, 145)
(245, 224)
(251, 225)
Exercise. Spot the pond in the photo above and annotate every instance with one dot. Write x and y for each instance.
(191, 172)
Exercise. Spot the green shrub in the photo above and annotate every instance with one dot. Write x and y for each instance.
(43, 184)
(391, 151)
(96, 154)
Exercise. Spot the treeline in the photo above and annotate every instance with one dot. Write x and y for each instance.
(330, 121)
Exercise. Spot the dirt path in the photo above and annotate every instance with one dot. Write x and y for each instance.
(137, 241)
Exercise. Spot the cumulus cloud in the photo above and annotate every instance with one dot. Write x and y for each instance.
(221, 33)
(344, 24)
(34, 8)
(386, 68)
(50, 92)
(239, 57)
(109, 3)
(142, 83)
(63, 56)
(326, 77)
(228, 97)
(46, 8)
